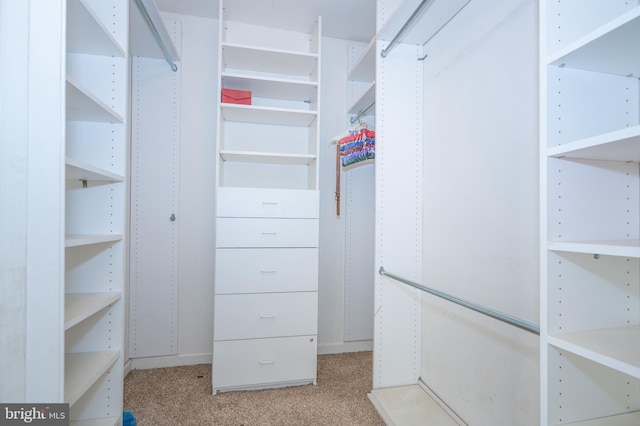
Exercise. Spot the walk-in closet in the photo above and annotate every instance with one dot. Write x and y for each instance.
(235, 211)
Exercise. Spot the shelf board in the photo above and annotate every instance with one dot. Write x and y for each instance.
(267, 115)
(276, 61)
(87, 34)
(76, 169)
(619, 420)
(606, 48)
(267, 157)
(367, 98)
(82, 105)
(74, 240)
(616, 348)
(109, 421)
(620, 145)
(84, 369)
(623, 248)
(365, 67)
(80, 306)
(273, 88)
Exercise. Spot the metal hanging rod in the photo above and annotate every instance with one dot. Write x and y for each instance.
(416, 13)
(517, 322)
(156, 35)
(362, 112)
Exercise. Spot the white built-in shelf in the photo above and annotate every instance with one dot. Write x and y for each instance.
(267, 115)
(605, 49)
(365, 67)
(617, 348)
(364, 101)
(620, 145)
(267, 157)
(82, 105)
(109, 421)
(84, 369)
(276, 61)
(623, 248)
(76, 169)
(274, 88)
(87, 34)
(80, 306)
(85, 240)
(619, 420)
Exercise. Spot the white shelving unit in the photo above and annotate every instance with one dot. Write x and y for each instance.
(265, 325)
(362, 85)
(96, 158)
(590, 149)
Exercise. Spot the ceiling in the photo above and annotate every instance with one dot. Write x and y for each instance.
(347, 19)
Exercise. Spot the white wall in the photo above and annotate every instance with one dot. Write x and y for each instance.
(197, 204)
(332, 251)
(481, 211)
(32, 191)
(197, 180)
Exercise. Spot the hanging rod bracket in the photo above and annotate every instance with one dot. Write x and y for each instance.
(362, 112)
(416, 13)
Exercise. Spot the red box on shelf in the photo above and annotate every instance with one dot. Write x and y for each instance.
(231, 96)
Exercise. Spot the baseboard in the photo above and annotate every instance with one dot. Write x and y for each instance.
(338, 348)
(440, 402)
(206, 358)
(127, 367)
(168, 361)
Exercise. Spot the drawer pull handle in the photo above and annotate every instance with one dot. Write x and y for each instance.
(266, 362)
(268, 271)
(267, 316)
(269, 203)
(269, 233)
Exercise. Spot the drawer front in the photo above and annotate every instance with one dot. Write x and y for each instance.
(266, 270)
(264, 362)
(256, 202)
(251, 316)
(258, 232)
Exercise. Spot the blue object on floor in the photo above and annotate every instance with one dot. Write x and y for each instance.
(128, 419)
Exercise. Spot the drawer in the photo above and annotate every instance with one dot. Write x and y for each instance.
(257, 202)
(251, 316)
(263, 363)
(260, 232)
(266, 270)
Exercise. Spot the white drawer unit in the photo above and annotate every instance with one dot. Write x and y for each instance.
(261, 232)
(249, 316)
(259, 363)
(265, 270)
(267, 202)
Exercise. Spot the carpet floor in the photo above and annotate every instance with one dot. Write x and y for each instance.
(181, 396)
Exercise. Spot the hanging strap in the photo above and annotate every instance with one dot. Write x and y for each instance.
(337, 179)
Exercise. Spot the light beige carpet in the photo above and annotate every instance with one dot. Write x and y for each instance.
(181, 396)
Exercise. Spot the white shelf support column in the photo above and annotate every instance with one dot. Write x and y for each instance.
(398, 227)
